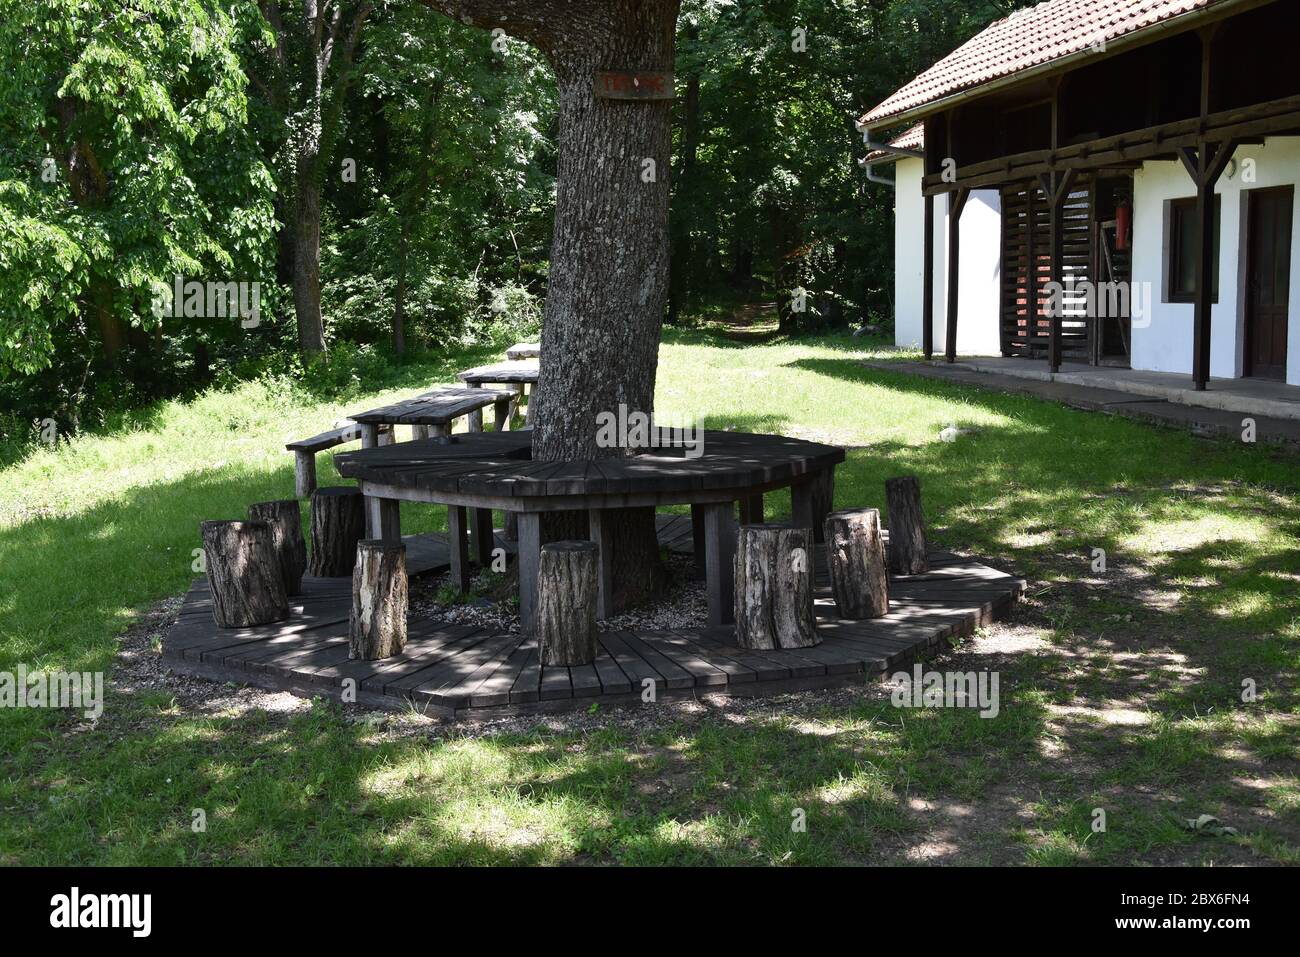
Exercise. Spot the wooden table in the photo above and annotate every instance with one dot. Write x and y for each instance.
(432, 414)
(517, 375)
(494, 470)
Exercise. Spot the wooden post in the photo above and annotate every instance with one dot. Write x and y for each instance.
(719, 555)
(774, 587)
(369, 435)
(598, 529)
(285, 519)
(1056, 185)
(697, 540)
(483, 536)
(907, 545)
(954, 248)
(566, 603)
(751, 510)
(530, 548)
(1205, 165)
(383, 518)
(855, 552)
(243, 574)
(927, 281)
(338, 522)
(822, 489)
(474, 421)
(304, 472)
(377, 627)
(458, 546)
(502, 410)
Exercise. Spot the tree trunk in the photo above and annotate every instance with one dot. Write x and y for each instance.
(566, 603)
(774, 587)
(285, 519)
(338, 522)
(907, 545)
(243, 574)
(307, 185)
(856, 555)
(377, 627)
(609, 256)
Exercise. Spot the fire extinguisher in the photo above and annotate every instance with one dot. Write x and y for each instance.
(1123, 221)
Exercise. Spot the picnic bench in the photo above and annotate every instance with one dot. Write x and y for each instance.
(429, 414)
(516, 374)
(524, 350)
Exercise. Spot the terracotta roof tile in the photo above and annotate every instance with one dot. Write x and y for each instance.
(912, 139)
(1030, 37)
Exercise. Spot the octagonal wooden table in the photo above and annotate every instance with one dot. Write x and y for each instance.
(483, 471)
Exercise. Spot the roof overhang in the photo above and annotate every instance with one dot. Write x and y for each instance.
(1136, 38)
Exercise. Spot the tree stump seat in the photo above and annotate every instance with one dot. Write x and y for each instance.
(244, 574)
(338, 522)
(774, 587)
(855, 557)
(380, 598)
(566, 603)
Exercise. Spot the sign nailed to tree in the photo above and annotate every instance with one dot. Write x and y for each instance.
(634, 85)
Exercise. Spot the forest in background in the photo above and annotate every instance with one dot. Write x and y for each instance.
(222, 140)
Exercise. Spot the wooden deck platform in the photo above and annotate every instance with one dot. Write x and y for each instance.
(460, 671)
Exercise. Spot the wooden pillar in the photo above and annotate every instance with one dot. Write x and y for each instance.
(955, 207)
(719, 561)
(530, 552)
(369, 435)
(383, 519)
(483, 535)
(598, 528)
(697, 539)
(1204, 165)
(458, 547)
(927, 281)
(1056, 185)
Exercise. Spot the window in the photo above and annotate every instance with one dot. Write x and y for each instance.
(1181, 268)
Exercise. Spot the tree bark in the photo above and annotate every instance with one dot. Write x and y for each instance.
(609, 256)
(377, 626)
(856, 556)
(566, 603)
(243, 574)
(338, 522)
(285, 519)
(907, 545)
(774, 587)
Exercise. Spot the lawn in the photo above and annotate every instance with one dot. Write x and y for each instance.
(1122, 689)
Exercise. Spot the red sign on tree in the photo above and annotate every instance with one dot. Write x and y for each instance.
(634, 85)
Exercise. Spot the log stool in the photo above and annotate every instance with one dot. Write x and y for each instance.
(855, 552)
(774, 587)
(377, 626)
(338, 522)
(285, 518)
(907, 546)
(243, 574)
(566, 603)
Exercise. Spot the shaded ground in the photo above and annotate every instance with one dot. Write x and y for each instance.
(1120, 690)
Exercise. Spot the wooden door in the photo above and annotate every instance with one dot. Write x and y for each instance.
(1268, 281)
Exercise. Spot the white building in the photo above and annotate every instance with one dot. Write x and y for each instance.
(1113, 110)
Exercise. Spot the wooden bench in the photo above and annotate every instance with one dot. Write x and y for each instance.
(304, 453)
(524, 350)
(432, 414)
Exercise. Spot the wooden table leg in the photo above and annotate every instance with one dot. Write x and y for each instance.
(438, 431)
(484, 539)
(475, 418)
(502, 413)
(383, 518)
(530, 553)
(697, 539)
(600, 534)
(720, 562)
(458, 546)
(801, 504)
(751, 509)
(369, 435)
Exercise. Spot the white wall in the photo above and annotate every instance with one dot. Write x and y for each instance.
(979, 267)
(1165, 344)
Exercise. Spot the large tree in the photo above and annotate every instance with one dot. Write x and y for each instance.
(609, 256)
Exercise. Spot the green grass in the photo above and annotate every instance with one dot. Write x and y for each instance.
(1128, 699)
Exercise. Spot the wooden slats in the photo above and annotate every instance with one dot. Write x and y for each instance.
(456, 669)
